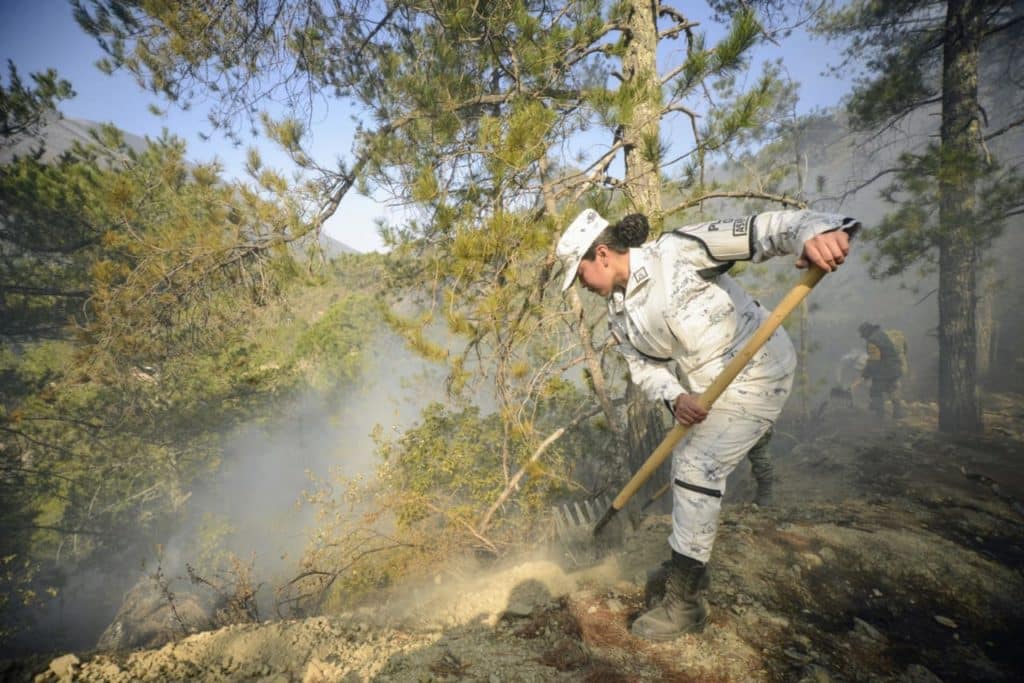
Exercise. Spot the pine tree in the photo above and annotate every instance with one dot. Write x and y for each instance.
(114, 407)
(35, 301)
(479, 118)
(24, 109)
(953, 197)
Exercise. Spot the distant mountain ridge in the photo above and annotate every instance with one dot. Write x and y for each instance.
(334, 248)
(59, 134)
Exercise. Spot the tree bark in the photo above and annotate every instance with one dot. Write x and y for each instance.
(959, 406)
(641, 130)
(640, 120)
(987, 324)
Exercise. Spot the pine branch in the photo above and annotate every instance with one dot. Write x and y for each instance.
(45, 291)
(738, 194)
(477, 534)
(864, 184)
(1002, 27)
(513, 484)
(1004, 129)
(682, 23)
(63, 530)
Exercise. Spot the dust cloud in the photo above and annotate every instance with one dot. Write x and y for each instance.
(251, 507)
(841, 163)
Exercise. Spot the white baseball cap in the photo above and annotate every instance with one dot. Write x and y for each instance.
(576, 240)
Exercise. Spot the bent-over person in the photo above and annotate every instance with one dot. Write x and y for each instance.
(678, 318)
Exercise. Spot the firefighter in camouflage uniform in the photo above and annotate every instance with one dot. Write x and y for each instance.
(884, 369)
(678, 318)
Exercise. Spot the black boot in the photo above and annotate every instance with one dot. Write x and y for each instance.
(764, 497)
(654, 589)
(897, 409)
(683, 609)
(761, 467)
(878, 406)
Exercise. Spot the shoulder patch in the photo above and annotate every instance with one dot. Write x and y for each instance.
(728, 239)
(640, 275)
(738, 226)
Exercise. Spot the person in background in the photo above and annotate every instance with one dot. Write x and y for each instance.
(884, 369)
(678, 318)
(760, 458)
(849, 375)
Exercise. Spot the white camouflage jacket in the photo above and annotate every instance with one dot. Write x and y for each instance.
(672, 314)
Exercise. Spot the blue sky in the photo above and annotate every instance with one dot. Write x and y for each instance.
(40, 34)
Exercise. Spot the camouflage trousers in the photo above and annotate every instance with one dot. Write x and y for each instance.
(885, 390)
(761, 467)
(703, 460)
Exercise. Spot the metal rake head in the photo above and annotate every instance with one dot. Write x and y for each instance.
(574, 524)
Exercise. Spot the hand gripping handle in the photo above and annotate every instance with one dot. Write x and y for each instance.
(707, 399)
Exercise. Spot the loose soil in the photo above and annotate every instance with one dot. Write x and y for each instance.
(892, 554)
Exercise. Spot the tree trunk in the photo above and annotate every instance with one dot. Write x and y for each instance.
(641, 130)
(641, 117)
(959, 407)
(986, 323)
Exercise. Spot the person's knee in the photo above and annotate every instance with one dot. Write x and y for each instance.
(697, 494)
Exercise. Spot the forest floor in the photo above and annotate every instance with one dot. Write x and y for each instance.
(892, 554)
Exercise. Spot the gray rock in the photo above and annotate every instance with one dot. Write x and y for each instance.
(796, 655)
(864, 628)
(518, 608)
(916, 673)
(815, 674)
(148, 619)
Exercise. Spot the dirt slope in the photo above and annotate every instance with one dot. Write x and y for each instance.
(893, 555)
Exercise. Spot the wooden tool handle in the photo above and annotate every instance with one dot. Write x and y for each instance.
(735, 366)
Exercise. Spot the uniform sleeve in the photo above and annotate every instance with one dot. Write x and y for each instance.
(881, 356)
(874, 359)
(686, 296)
(784, 232)
(655, 378)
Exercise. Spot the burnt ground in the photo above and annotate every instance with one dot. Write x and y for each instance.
(892, 554)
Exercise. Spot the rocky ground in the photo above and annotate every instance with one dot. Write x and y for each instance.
(892, 554)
